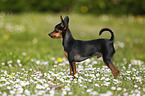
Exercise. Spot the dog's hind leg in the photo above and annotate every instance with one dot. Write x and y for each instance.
(109, 63)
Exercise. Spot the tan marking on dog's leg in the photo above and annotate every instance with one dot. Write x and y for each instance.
(65, 53)
(74, 66)
(114, 70)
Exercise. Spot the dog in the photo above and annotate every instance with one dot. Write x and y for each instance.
(78, 50)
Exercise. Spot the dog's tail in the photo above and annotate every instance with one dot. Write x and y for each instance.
(107, 29)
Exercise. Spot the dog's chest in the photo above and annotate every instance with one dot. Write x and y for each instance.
(79, 58)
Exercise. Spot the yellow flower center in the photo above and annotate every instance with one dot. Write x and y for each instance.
(11, 75)
(59, 60)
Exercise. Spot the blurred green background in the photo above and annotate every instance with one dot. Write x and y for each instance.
(24, 25)
(116, 7)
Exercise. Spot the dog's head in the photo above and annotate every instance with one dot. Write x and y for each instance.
(60, 28)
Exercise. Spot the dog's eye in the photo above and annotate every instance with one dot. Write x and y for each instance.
(56, 29)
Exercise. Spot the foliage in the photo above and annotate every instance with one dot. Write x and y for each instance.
(116, 7)
(17, 6)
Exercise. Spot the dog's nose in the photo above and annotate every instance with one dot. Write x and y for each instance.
(49, 34)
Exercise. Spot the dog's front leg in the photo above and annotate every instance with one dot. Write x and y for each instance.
(72, 68)
(72, 65)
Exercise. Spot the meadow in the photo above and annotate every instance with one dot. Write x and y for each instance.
(31, 63)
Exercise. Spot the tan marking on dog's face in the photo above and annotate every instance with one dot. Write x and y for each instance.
(57, 34)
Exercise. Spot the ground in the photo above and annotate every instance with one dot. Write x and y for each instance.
(32, 63)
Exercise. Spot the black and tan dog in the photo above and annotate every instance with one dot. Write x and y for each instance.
(77, 50)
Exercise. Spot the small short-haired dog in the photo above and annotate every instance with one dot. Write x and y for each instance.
(78, 50)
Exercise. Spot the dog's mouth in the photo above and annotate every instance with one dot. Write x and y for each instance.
(51, 36)
(54, 36)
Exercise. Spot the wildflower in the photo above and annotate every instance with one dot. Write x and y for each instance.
(94, 77)
(82, 92)
(89, 90)
(26, 59)
(119, 88)
(6, 37)
(52, 92)
(144, 89)
(128, 71)
(55, 65)
(37, 62)
(67, 88)
(8, 87)
(20, 90)
(127, 39)
(107, 79)
(59, 60)
(27, 92)
(23, 69)
(84, 9)
(103, 78)
(38, 86)
(139, 18)
(64, 92)
(138, 78)
(109, 93)
(20, 65)
(94, 62)
(9, 62)
(12, 92)
(18, 61)
(10, 65)
(4, 94)
(11, 75)
(17, 85)
(137, 91)
(107, 83)
(113, 88)
(44, 63)
(136, 62)
(119, 44)
(94, 93)
(48, 88)
(24, 54)
(53, 69)
(75, 81)
(135, 86)
(46, 85)
(30, 69)
(3, 63)
(7, 83)
(52, 58)
(97, 74)
(17, 80)
(70, 93)
(97, 85)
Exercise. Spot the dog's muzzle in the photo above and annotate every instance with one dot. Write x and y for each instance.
(51, 35)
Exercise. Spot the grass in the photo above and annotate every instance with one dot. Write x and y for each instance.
(32, 63)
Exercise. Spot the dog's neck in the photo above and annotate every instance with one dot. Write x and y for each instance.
(67, 38)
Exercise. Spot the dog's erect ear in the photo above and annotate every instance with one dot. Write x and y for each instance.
(62, 21)
(66, 20)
